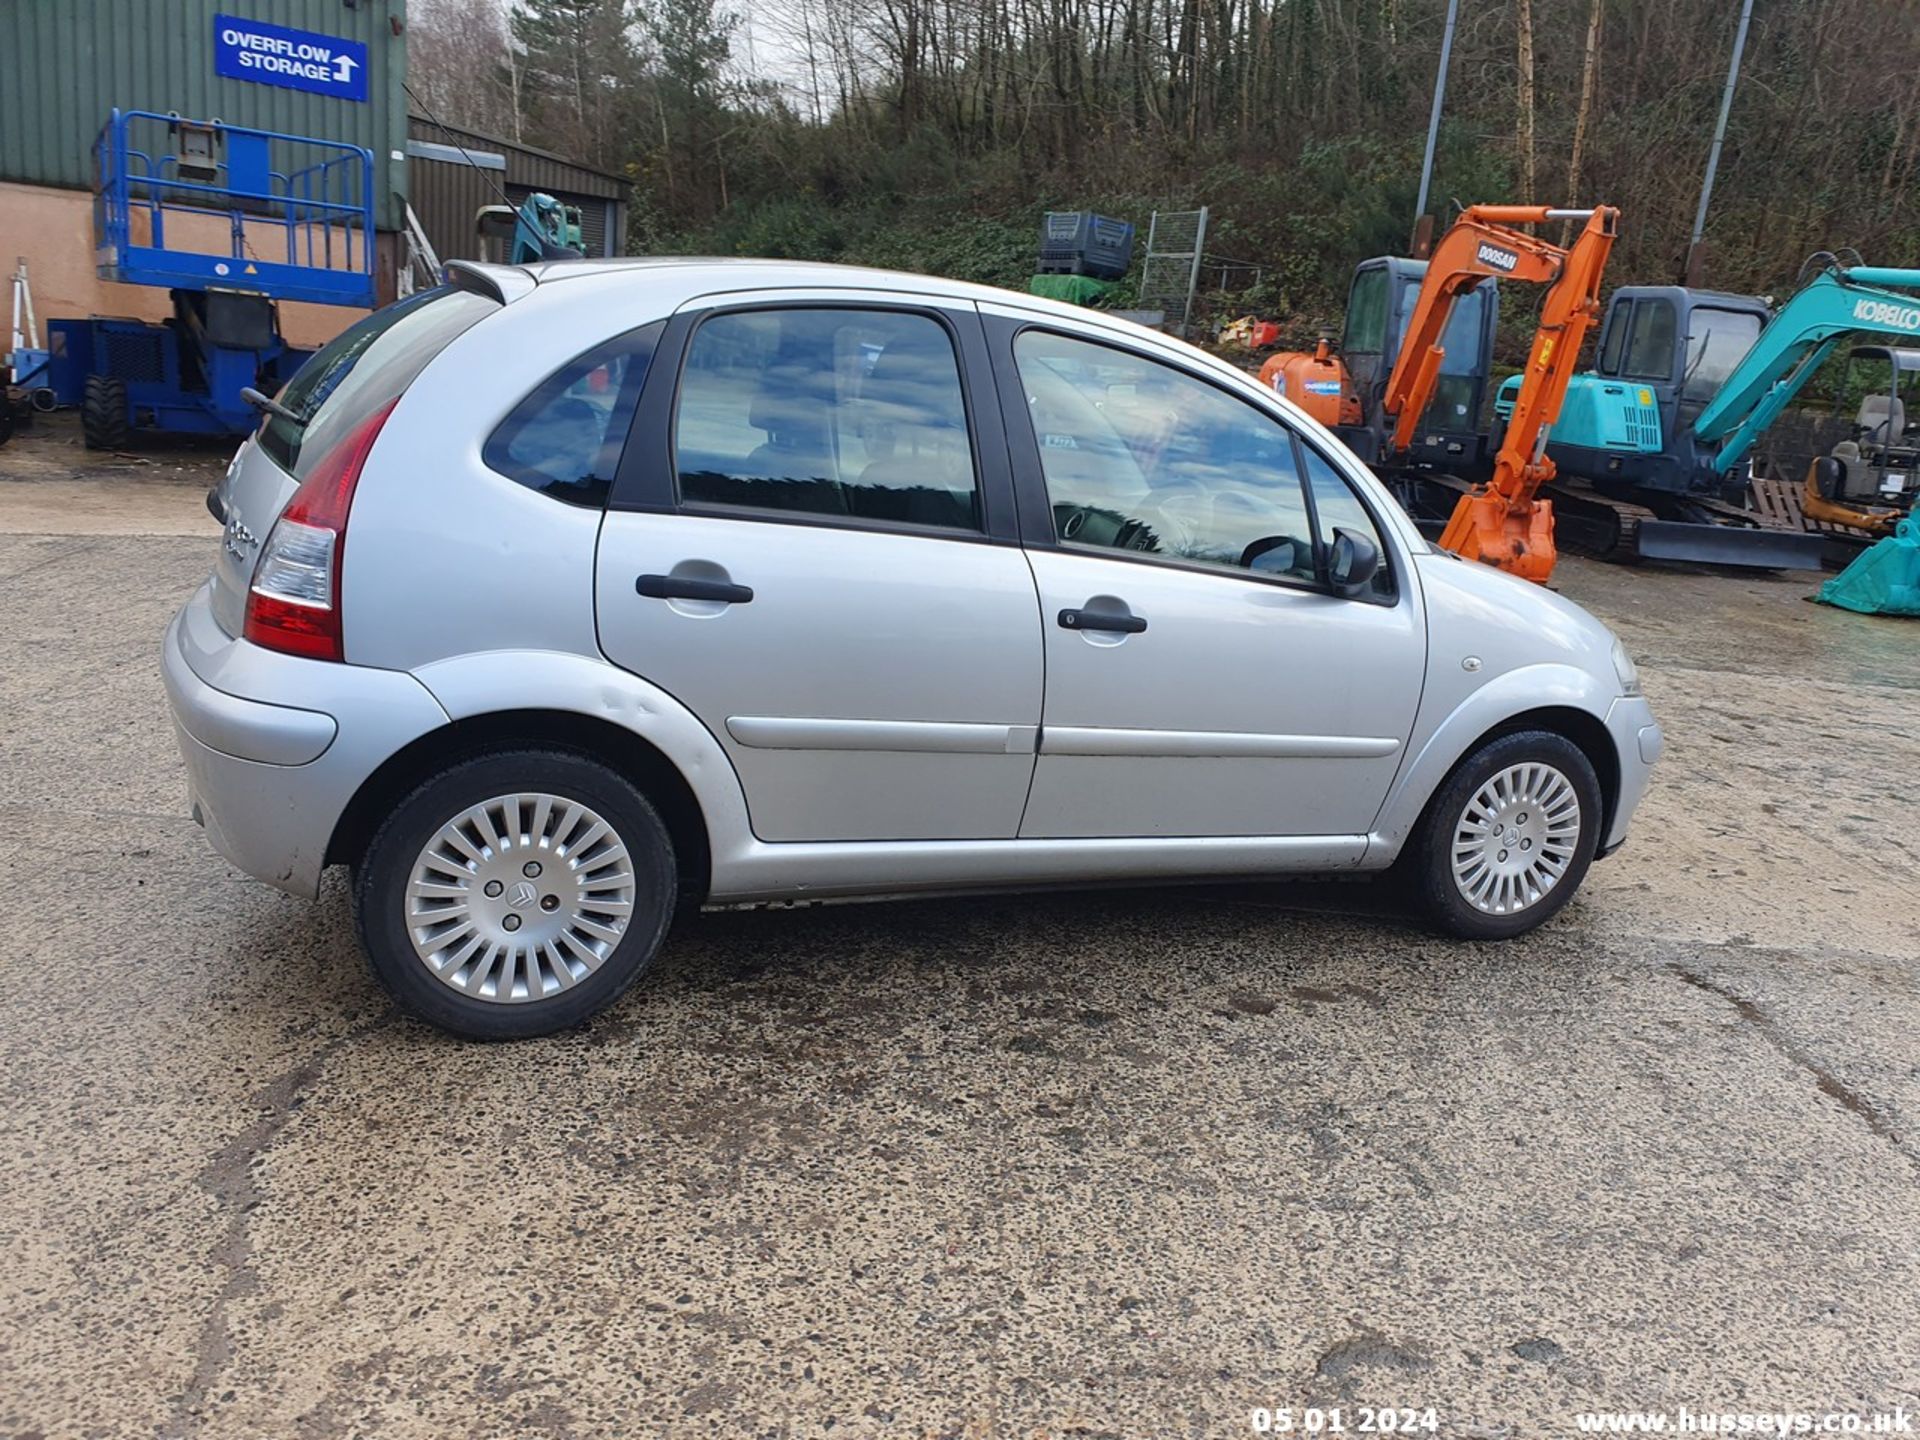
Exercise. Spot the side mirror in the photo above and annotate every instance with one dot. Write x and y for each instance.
(1352, 562)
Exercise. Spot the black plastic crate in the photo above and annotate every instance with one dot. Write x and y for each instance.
(1078, 242)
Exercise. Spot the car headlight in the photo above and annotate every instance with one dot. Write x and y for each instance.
(1624, 667)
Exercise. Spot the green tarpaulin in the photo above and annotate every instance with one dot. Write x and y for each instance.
(1074, 289)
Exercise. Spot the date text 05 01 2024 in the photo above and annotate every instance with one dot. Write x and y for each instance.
(1339, 1420)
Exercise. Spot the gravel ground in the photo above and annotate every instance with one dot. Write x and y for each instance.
(1128, 1163)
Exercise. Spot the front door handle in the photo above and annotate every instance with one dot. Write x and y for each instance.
(692, 587)
(1102, 620)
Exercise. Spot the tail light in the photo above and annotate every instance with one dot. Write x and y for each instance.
(294, 604)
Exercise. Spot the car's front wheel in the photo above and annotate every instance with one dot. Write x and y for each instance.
(515, 893)
(1509, 836)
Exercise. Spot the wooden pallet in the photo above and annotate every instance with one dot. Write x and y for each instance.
(1778, 502)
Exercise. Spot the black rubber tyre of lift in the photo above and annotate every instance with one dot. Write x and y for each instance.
(105, 422)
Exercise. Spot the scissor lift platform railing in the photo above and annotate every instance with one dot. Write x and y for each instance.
(284, 216)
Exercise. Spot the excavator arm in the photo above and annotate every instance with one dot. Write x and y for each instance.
(1837, 304)
(1505, 523)
(1481, 242)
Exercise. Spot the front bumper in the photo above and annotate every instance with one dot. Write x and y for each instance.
(1638, 742)
(276, 746)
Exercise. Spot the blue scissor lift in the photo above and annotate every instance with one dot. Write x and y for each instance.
(229, 221)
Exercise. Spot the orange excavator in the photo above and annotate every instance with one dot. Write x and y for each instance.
(1504, 522)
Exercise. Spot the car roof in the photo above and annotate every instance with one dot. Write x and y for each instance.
(746, 273)
(706, 274)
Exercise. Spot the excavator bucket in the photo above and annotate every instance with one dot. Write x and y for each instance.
(1490, 529)
(1885, 580)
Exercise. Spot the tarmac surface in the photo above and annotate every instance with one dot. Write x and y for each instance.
(1127, 1163)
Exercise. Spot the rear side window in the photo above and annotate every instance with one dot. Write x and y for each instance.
(565, 439)
(852, 414)
(365, 367)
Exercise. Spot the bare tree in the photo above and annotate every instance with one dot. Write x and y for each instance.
(1523, 61)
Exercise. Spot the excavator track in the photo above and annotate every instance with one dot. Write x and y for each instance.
(1711, 532)
(1588, 523)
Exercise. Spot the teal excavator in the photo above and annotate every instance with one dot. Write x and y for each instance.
(539, 228)
(1653, 444)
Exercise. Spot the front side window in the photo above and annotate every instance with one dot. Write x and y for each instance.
(1336, 507)
(1367, 314)
(565, 439)
(1614, 341)
(1141, 457)
(1650, 342)
(837, 412)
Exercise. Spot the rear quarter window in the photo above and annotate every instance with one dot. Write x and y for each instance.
(565, 438)
(366, 366)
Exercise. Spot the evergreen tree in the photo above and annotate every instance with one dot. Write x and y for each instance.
(579, 66)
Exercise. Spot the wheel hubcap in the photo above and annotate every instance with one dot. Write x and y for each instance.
(1515, 839)
(519, 898)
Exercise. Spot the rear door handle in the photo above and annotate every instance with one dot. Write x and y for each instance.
(1102, 620)
(689, 587)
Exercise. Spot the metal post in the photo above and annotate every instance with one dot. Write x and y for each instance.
(1433, 120)
(1693, 267)
(1193, 279)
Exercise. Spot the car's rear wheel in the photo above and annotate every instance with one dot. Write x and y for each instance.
(1509, 836)
(515, 894)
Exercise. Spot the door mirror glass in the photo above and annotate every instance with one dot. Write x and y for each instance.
(1352, 560)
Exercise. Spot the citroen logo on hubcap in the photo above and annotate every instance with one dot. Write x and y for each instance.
(522, 895)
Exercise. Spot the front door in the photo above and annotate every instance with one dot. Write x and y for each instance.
(816, 578)
(1201, 676)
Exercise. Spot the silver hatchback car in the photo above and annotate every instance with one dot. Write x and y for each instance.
(562, 596)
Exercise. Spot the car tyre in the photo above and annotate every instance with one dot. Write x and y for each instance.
(515, 893)
(1468, 869)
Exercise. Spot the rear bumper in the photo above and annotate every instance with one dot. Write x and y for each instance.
(276, 746)
(1639, 742)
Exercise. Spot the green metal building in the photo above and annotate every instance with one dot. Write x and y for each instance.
(333, 70)
(64, 64)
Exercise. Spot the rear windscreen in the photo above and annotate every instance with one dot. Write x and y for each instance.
(363, 368)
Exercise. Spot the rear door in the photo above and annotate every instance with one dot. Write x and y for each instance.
(811, 545)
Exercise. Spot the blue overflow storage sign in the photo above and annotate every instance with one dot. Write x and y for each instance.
(296, 59)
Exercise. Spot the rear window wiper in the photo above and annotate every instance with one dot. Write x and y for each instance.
(270, 405)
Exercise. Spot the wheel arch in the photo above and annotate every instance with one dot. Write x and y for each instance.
(631, 755)
(1567, 703)
(1585, 730)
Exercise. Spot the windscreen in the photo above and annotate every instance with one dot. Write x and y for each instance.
(363, 368)
(1456, 389)
(1718, 342)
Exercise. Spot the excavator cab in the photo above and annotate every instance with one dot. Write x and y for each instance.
(1664, 352)
(1380, 306)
